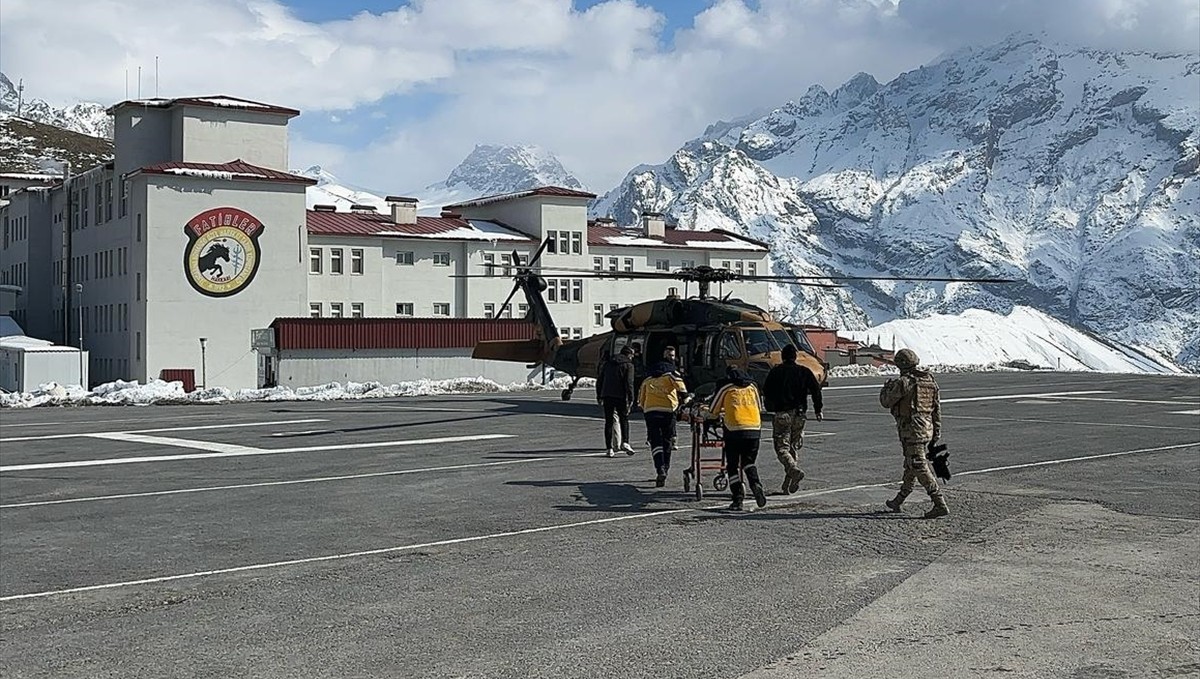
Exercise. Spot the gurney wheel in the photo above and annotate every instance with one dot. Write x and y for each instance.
(699, 491)
(720, 482)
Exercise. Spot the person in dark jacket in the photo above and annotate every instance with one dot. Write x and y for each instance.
(786, 392)
(614, 391)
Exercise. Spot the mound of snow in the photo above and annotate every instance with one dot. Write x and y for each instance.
(158, 392)
(978, 337)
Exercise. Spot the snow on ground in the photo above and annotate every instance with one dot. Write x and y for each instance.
(158, 392)
(978, 337)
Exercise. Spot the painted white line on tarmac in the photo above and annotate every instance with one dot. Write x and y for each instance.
(98, 422)
(1042, 421)
(348, 555)
(292, 482)
(540, 529)
(229, 450)
(1186, 412)
(1009, 397)
(1113, 400)
(1081, 458)
(104, 434)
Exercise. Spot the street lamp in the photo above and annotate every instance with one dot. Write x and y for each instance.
(79, 303)
(203, 364)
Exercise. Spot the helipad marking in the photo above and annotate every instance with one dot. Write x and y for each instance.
(227, 450)
(1009, 397)
(103, 434)
(540, 529)
(1186, 412)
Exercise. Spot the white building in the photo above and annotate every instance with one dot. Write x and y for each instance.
(196, 232)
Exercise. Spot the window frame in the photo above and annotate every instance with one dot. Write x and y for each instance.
(337, 265)
(315, 309)
(405, 309)
(405, 258)
(336, 310)
(441, 259)
(439, 306)
(357, 257)
(316, 256)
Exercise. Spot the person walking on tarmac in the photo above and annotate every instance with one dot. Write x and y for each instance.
(740, 405)
(659, 397)
(914, 402)
(614, 391)
(786, 391)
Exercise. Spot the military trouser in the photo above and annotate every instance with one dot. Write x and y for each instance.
(740, 456)
(660, 434)
(616, 422)
(917, 470)
(787, 430)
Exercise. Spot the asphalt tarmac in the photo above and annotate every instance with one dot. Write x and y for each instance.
(487, 536)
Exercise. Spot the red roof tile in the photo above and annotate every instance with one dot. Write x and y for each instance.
(213, 101)
(234, 170)
(540, 191)
(368, 223)
(395, 333)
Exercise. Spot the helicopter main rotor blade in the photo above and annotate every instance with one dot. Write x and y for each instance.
(537, 254)
(503, 307)
(922, 279)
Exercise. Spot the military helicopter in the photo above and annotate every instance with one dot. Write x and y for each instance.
(709, 333)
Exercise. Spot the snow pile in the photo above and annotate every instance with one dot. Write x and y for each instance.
(978, 337)
(158, 392)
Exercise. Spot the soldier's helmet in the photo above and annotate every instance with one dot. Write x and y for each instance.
(906, 359)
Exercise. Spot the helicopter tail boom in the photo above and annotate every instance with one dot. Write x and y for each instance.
(520, 351)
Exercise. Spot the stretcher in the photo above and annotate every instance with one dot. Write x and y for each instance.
(707, 438)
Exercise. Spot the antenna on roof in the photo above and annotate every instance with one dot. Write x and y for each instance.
(156, 76)
(139, 82)
(126, 82)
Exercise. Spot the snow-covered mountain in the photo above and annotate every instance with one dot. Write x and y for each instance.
(329, 190)
(492, 169)
(1072, 170)
(85, 117)
(979, 337)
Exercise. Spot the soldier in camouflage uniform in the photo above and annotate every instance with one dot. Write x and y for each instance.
(914, 402)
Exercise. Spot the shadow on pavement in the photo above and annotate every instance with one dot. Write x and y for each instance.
(600, 496)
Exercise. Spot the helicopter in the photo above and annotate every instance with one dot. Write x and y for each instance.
(710, 334)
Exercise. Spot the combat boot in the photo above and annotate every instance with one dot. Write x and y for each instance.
(661, 479)
(797, 477)
(897, 502)
(939, 508)
(739, 494)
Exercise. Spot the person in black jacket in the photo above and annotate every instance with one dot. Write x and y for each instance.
(786, 393)
(614, 391)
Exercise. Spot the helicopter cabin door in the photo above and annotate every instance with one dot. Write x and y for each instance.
(728, 351)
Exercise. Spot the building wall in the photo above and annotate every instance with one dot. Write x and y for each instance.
(142, 136)
(309, 367)
(177, 315)
(204, 134)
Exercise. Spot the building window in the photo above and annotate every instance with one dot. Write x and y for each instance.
(597, 263)
(138, 344)
(612, 263)
(752, 268)
(577, 290)
(404, 258)
(489, 264)
(507, 311)
(99, 203)
(629, 264)
(139, 227)
(335, 309)
(404, 309)
(506, 261)
(738, 266)
(564, 242)
(551, 290)
(441, 308)
(552, 242)
(108, 201)
(139, 287)
(441, 259)
(725, 264)
(83, 203)
(124, 206)
(489, 310)
(314, 309)
(314, 260)
(523, 309)
(356, 310)
(612, 307)
(597, 314)
(662, 265)
(335, 261)
(564, 290)
(356, 262)
(576, 243)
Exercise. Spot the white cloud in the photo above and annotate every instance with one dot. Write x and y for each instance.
(597, 87)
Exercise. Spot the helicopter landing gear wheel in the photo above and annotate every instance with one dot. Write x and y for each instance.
(720, 482)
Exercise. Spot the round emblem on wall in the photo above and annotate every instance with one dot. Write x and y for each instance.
(222, 253)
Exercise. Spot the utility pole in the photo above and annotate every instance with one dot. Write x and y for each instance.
(203, 363)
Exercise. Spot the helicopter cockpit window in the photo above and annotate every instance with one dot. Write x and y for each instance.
(729, 346)
(758, 341)
(783, 339)
(802, 342)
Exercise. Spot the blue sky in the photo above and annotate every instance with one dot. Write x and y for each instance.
(395, 94)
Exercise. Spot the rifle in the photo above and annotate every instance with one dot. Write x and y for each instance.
(939, 459)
